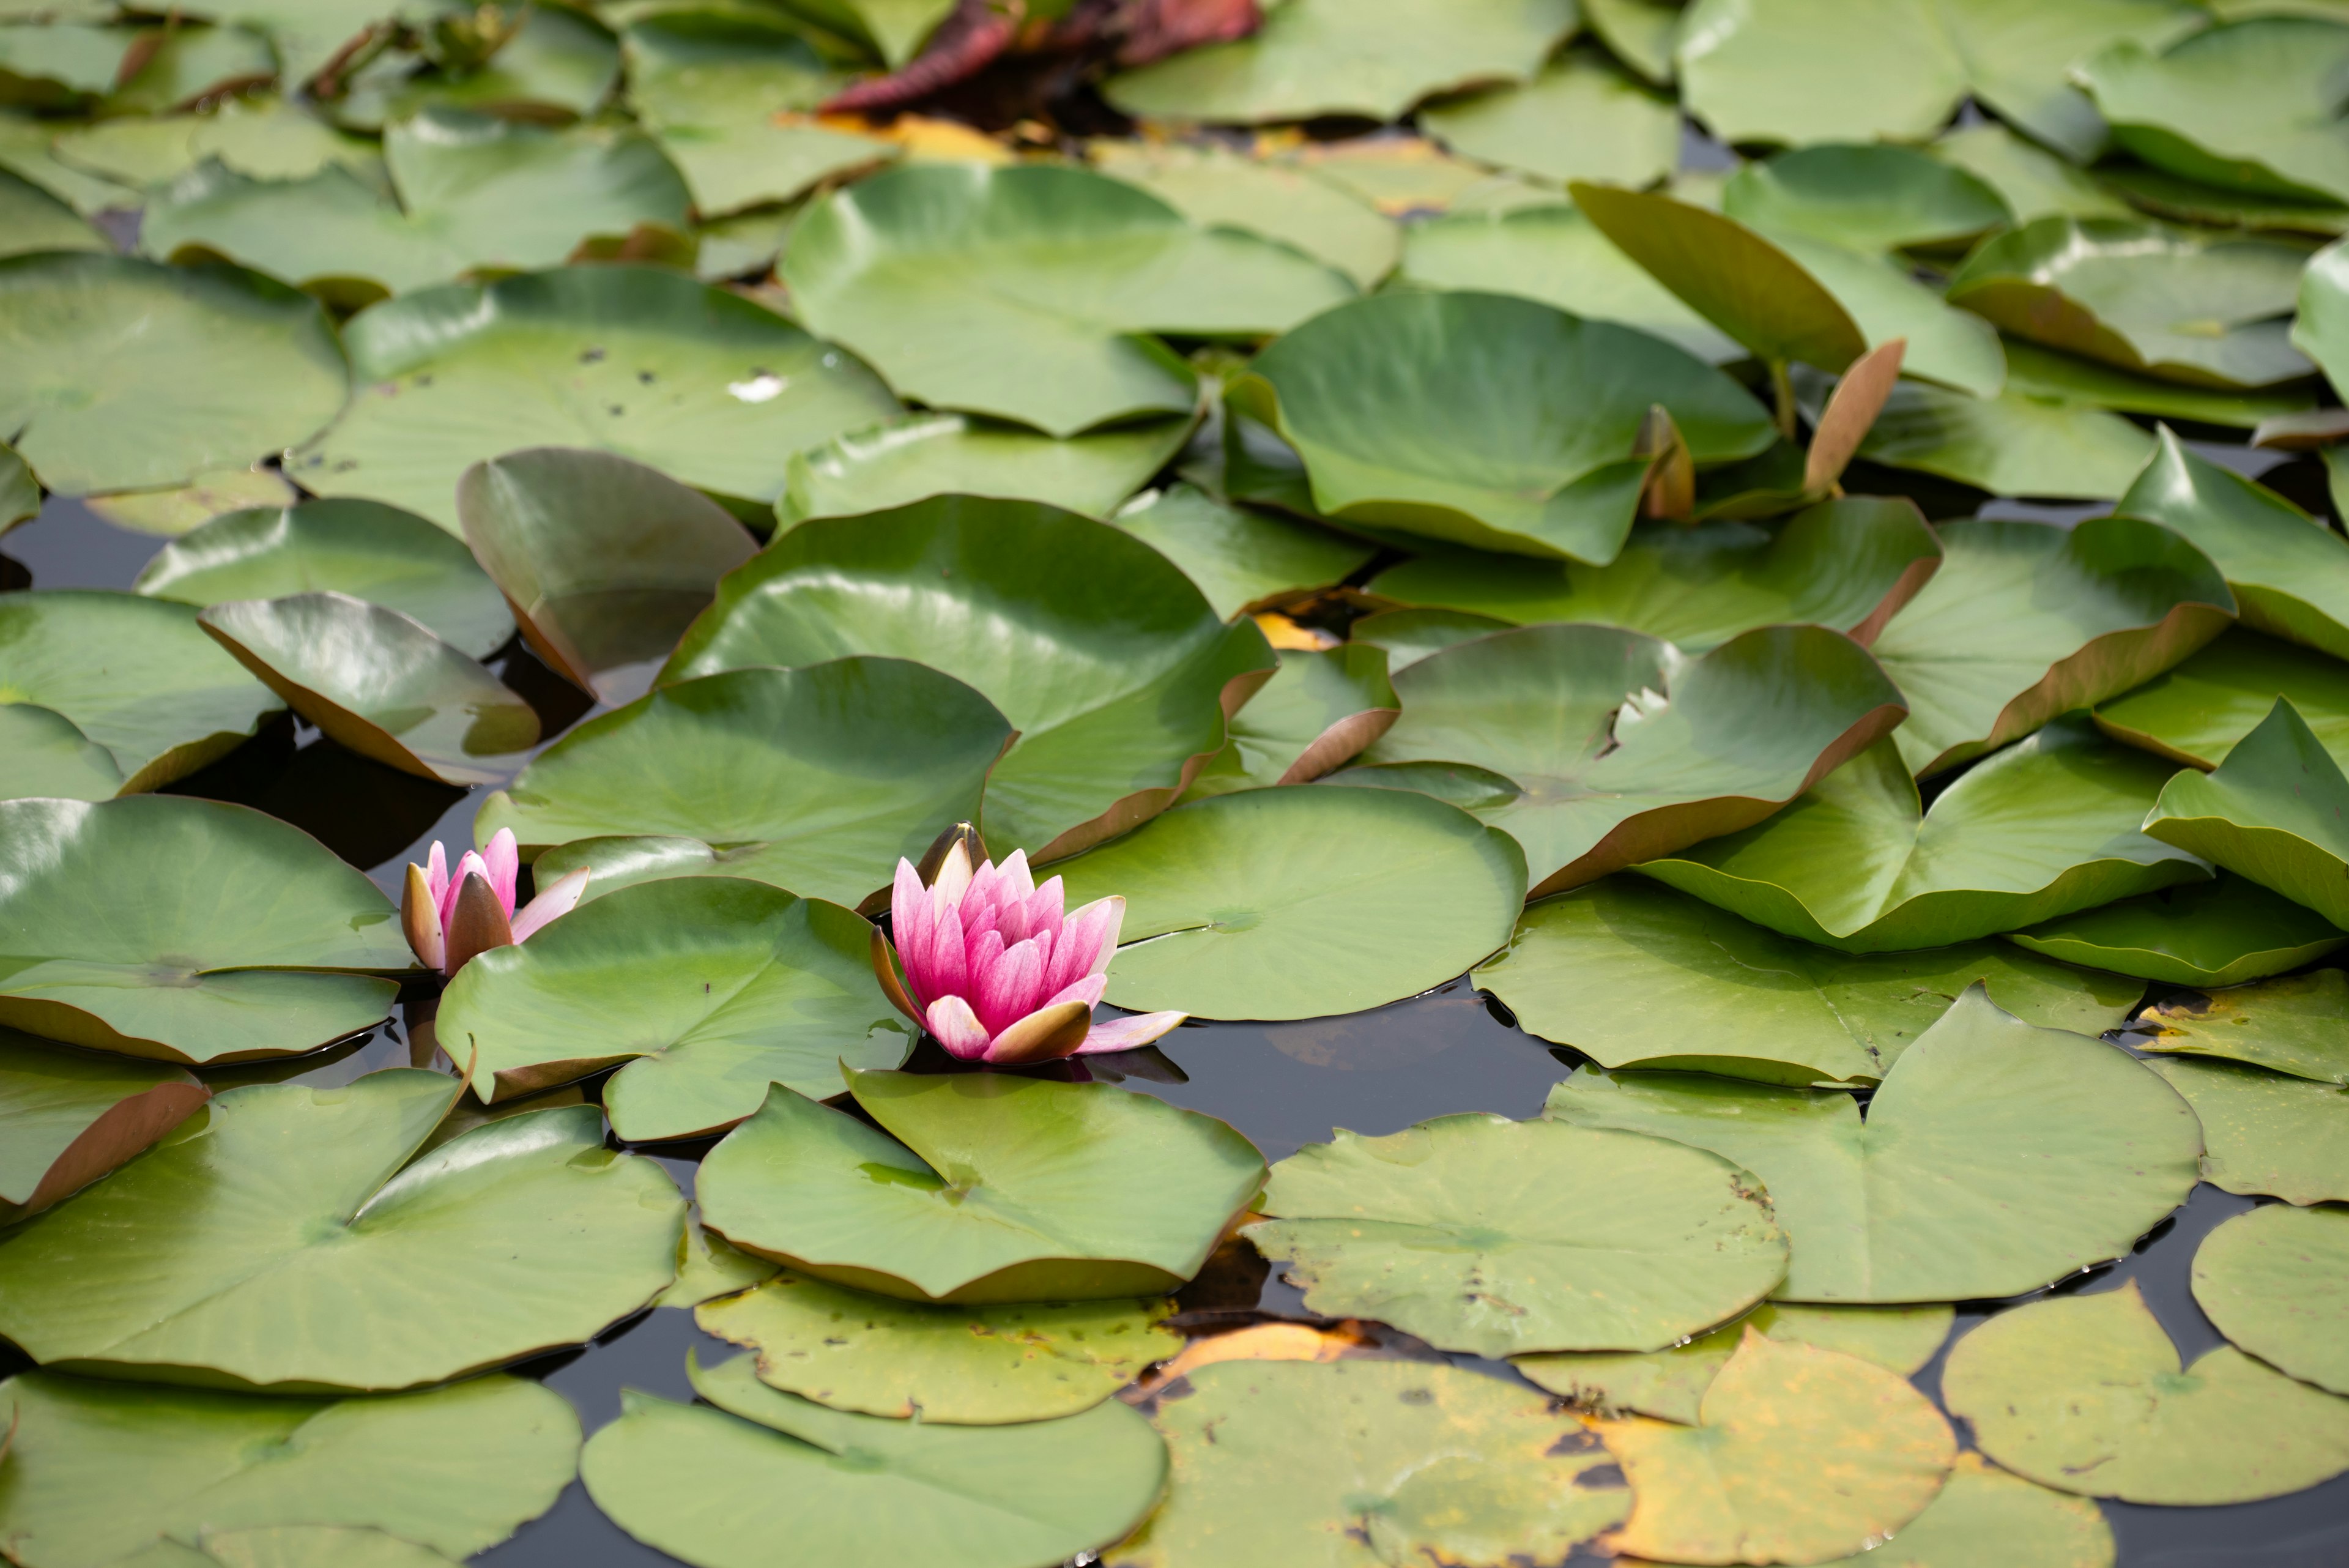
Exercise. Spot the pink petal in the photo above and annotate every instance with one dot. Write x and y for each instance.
(1044, 906)
(504, 862)
(948, 967)
(911, 923)
(469, 865)
(1088, 941)
(1087, 990)
(558, 898)
(435, 875)
(1011, 987)
(1128, 1033)
(1018, 885)
(958, 1028)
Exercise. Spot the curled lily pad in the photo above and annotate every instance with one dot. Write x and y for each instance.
(2276, 1283)
(1618, 750)
(1669, 1384)
(1499, 1238)
(710, 1266)
(2220, 932)
(363, 548)
(1360, 1461)
(2196, 712)
(1314, 715)
(2273, 812)
(2017, 443)
(32, 220)
(1742, 1485)
(2048, 374)
(1849, 564)
(380, 683)
(1794, 71)
(467, 191)
(1300, 903)
(951, 454)
(1374, 58)
(136, 677)
(49, 756)
(1028, 292)
(2265, 1132)
(721, 1487)
(1118, 675)
(1996, 1157)
(20, 492)
(2040, 829)
(836, 769)
(707, 988)
(2289, 572)
(377, 1270)
(1002, 1188)
(2027, 620)
(100, 1469)
(2123, 292)
(552, 65)
(2294, 1025)
(1551, 252)
(1865, 196)
(1241, 559)
(605, 561)
(118, 374)
(2085, 1393)
(70, 1118)
(186, 930)
(979, 1365)
(1211, 185)
(1487, 420)
(710, 388)
(1632, 975)
(1582, 118)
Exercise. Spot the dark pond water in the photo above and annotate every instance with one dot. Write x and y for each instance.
(1283, 1085)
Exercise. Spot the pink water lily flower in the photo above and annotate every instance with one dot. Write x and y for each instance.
(997, 973)
(449, 918)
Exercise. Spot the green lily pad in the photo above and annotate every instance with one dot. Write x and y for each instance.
(2206, 311)
(1632, 975)
(2199, 712)
(292, 1546)
(1029, 292)
(27, 150)
(2293, 1025)
(2021, 59)
(709, 387)
(2041, 829)
(1744, 1484)
(2028, 1154)
(378, 683)
(1004, 1189)
(2167, 195)
(1298, 903)
(1669, 1384)
(137, 676)
(836, 769)
(60, 66)
(1865, 196)
(1551, 252)
(1314, 715)
(2249, 106)
(467, 191)
(2276, 1282)
(1241, 559)
(2033, 181)
(211, 493)
(1796, 71)
(604, 561)
(1749, 288)
(635, 978)
(373, 1271)
(2220, 932)
(2272, 812)
(1353, 1463)
(715, 88)
(1849, 564)
(1487, 420)
(2086, 1394)
(2266, 1133)
(1118, 675)
(2321, 329)
(101, 1469)
(186, 930)
(2289, 572)
(49, 757)
(118, 374)
(1481, 1234)
(2027, 620)
(363, 548)
(720, 1487)
(70, 1118)
(32, 220)
(1620, 750)
(20, 492)
(1582, 118)
(2044, 373)
(916, 458)
(1639, 33)
(1211, 185)
(178, 66)
(1372, 58)
(979, 1365)
(710, 1266)
(2017, 443)
(1409, 635)
(558, 65)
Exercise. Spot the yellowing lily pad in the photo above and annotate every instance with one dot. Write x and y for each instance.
(2276, 1283)
(2298, 1024)
(2266, 1132)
